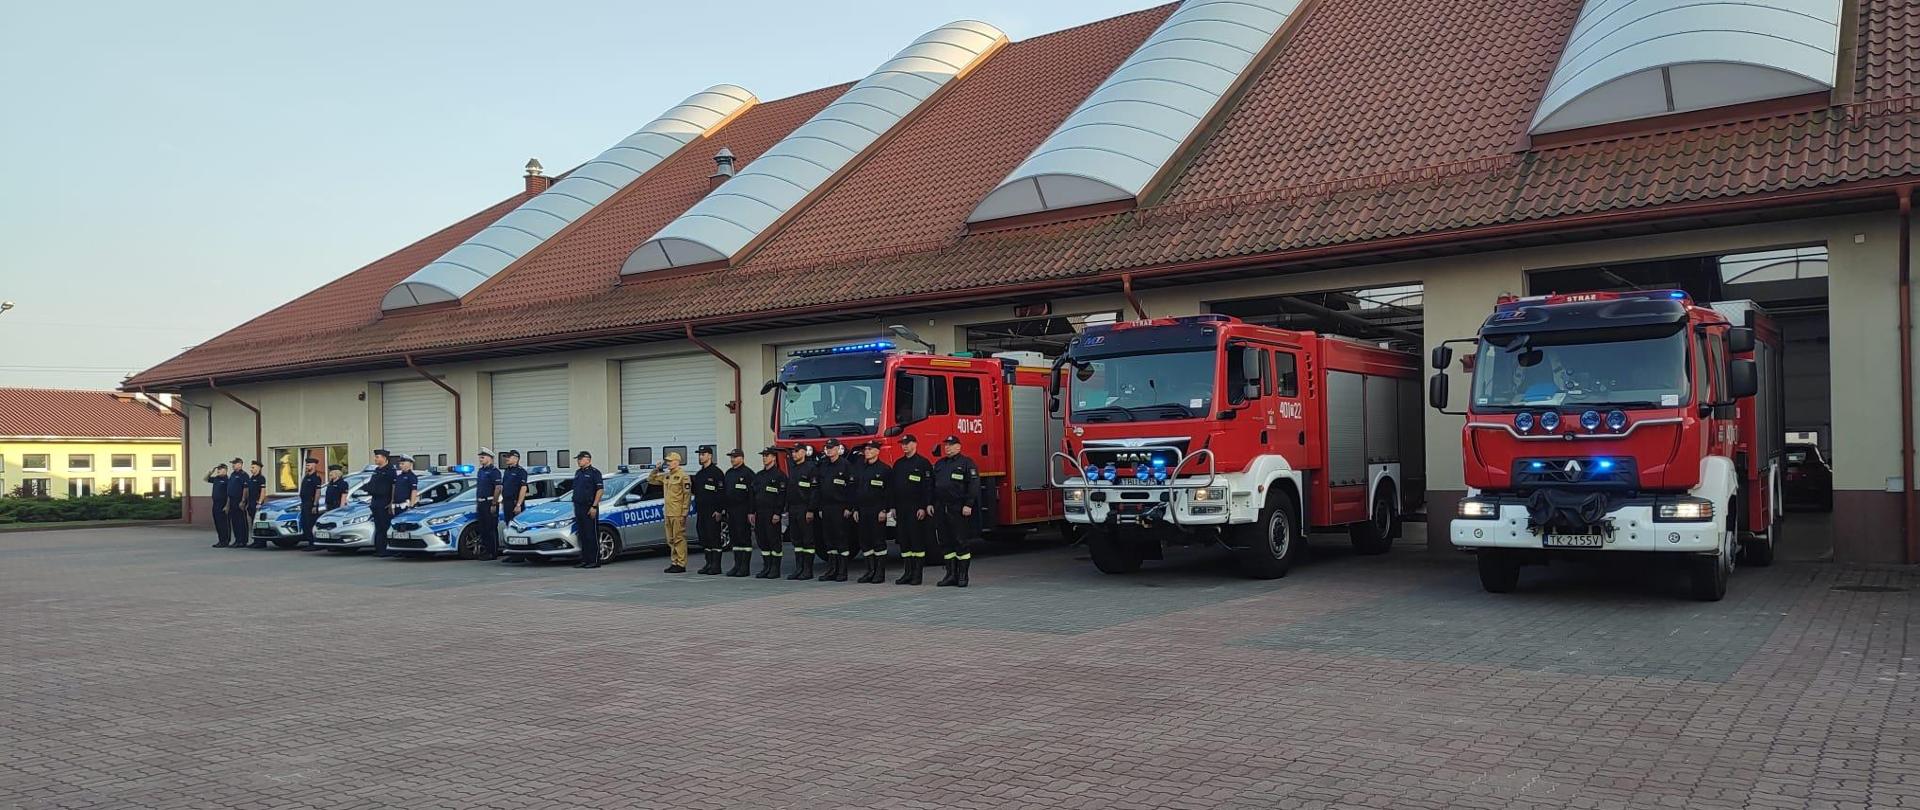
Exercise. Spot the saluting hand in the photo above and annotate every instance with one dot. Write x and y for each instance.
(967, 511)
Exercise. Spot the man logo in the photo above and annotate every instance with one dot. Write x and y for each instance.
(1573, 466)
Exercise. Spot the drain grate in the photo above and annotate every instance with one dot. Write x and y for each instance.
(1869, 589)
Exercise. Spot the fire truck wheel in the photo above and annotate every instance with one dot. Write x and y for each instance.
(1111, 552)
(1709, 573)
(1275, 541)
(1758, 551)
(1375, 535)
(1499, 571)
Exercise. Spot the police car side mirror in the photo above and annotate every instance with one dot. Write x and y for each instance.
(629, 499)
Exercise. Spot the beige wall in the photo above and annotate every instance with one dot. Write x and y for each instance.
(1459, 293)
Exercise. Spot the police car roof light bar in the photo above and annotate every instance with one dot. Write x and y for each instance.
(539, 469)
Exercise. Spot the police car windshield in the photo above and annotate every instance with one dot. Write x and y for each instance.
(847, 407)
(1636, 372)
(612, 486)
(1142, 387)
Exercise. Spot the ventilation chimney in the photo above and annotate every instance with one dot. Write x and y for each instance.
(722, 168)
(536, 182)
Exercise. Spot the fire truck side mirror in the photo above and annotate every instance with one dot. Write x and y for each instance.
(1442, 357)
(1739, 340)
(1437, 390)
(768, 387)
(1053, 404)
(1743, 379)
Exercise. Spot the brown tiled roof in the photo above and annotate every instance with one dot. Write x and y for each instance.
(1377, 123)
(54, 412)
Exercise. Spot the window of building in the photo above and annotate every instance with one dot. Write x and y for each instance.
(125, 486)
(536, 458)
(79, 487)
(164, 461)
(442, 460)
(1287, 369)
(163, 486)
(966, 396)
(3, 466)
(34, 462)
(564, 460)
(80, 462)
(36, 487)
(640, 456)
(122, 461)
(289, 463)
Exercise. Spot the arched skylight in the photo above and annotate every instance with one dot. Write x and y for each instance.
(1111, 147)
(730, 217)
(494, 248)
(1631, 59)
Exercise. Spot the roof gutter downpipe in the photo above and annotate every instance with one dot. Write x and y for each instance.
(458, 456)
(1908, 508)
(739, 434)
(186, 441)
(1126, 289)
(258, 446)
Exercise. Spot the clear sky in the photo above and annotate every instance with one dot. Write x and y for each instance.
(174, 169)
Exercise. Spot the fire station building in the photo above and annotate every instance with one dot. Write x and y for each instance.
(1382, 169)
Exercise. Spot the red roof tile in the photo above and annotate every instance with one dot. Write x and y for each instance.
(53, 412)
(1378, 120)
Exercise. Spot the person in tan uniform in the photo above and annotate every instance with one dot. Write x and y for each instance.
(677, 488)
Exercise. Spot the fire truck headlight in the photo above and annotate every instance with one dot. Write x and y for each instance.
(1470, 508)
(1685, 509)
(1590, 420)
(1210, 494)
(1616, 420)
(1524, 421)
(1076, 497)
(1550, 420)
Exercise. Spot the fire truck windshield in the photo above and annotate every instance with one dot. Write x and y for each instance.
(847, 407)
(1142, 387)
(1632, 371)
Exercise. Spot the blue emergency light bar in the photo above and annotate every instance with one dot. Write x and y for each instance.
(463, 469)
(1510, 303)
(621, 468)
(850, 348)
(540, 469)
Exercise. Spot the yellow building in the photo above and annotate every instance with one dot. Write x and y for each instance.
(63, 444)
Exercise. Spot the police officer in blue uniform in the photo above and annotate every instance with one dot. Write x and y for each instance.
(336, 487)
(586, 510)
(406, 492)
(486, 510)
(221, 527)
(513, 492)
(256, 495)
(380, 490)
(309, 500)
(239, 523)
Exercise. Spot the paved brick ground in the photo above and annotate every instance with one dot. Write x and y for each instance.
(139, 668)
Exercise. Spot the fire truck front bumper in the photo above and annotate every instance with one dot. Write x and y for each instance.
(1635, 525)
(1147, 504)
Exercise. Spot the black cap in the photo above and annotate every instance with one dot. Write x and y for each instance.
(735, 453)
(705, 448)
(909, 439)
(873, 445)
(510, 454)
(831, 443)
(770, 451)
(583, 454)
(313, 461)
(953, 440)
(380, 452)
(800, 448)
(335, 468)
(237, 460)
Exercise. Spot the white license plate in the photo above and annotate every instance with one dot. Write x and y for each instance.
(519, 541)
(322, 534)
(1574, 541)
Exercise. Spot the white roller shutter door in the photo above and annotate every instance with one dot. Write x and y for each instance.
(416, 419)
(530, 411)
(668, 402)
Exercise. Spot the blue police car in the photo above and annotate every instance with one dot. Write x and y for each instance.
(279, 518)
(449, 527)
(350, 528)
(631, 519)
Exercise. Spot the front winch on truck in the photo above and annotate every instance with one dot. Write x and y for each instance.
(1204, 429)
(1624, 423)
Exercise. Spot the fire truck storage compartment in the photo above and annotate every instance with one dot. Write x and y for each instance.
(1372, 420)
(1034, 434)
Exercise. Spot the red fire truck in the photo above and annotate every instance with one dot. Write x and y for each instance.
(998, 407)
(1203, 429)
(1620, 422)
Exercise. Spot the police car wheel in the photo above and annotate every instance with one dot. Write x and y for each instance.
(469, 544)
(609, 544)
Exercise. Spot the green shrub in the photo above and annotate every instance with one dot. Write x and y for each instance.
(92, 507)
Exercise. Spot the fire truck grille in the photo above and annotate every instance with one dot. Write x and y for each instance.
(1576, 473)
(1128, 457)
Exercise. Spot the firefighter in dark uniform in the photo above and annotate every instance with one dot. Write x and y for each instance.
(222, 528)
(586, 510)
(310, 485)
(239, 524)
(710, 508)
(737, 493)
(871, 499)
(486, 506)
(800, 517)
(834, 482)
(769, 508)
(513, 492)
(406, 492)
(956, 496)
(380, 490)
(912, 491)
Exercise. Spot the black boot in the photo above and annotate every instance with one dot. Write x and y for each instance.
(221, 544)
(840, 567)
(908, 561)
(866, 573)
(953, 573)
(742, 563)
(919, 568)
(880, 568)
(833, 564)
(802, 565)
(713, 561)
(769, 566)
(962, 581)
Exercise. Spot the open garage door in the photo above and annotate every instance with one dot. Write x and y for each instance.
(530, 413)
(416, 419)
(668, 403)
